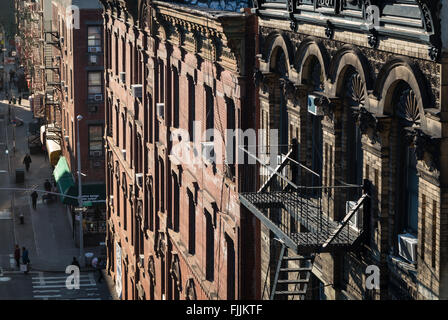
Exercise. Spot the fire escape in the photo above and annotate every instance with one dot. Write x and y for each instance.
(53, 85)
(295, 207)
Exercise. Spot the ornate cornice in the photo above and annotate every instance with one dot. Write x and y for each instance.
(427, 148)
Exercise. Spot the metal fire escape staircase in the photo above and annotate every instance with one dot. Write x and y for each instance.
(296, 216)
(53, 85)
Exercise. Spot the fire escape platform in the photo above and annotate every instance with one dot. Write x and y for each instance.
(307, 212)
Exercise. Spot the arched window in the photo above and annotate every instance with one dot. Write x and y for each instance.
(408, 118)
(354, 99)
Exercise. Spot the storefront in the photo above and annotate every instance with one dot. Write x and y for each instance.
(93, 196)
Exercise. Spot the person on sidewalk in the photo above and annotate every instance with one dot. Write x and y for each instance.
(17, 255)
(20, 100)
(27, 161)
(25, 259)
(100, 267)
(34, 197)
(75, 263)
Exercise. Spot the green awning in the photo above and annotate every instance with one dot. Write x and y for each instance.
(63, 177)
(92, 195)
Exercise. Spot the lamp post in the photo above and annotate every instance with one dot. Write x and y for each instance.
(80, 203)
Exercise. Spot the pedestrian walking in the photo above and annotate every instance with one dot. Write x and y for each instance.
(25, 260)
(75, 262)
(34, 197)
(20, 100)
(47, 185)
(100, 267)
(17, 255)
(27, 161)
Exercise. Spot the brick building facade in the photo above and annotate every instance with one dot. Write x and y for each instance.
(175, 228)
(363, 105)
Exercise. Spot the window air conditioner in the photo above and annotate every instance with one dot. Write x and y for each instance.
(356, 220)
(94, 49)
(111, 201)
(123, 153)
(93, 59)
(137, 90)
(66, 138)
(208, 151)
(312, 107)
(139, 179)
(142, 260)
(123, 77)
(161, 110)
(98, 97)
(407, 247)
(62, 40)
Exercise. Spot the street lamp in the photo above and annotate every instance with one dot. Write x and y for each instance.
(80, 203)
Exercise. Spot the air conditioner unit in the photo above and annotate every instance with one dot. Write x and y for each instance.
(356, 220)
(142, 260)
(123, 77)
(161, 110)
(139, 179)
(137, 90)
(111, 201)
(94, 49)
(66, 138)
(208, 151)
(312, 107)
(93, 59)
(98, 97)
(123, 153)
(407, 247)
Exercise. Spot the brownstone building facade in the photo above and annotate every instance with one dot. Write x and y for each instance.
(363, 102)
(74, 85)
(175, 228)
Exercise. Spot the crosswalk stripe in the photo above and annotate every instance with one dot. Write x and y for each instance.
(54, 296)
(60, 281)
(46, 291)
(59, 286)
(62, 277)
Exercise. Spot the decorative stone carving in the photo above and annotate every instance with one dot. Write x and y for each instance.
(368, 124)
(329, 30)
(372, 38)
(160, 244)
(427, 148)
(175, 272)
(190, 291)
(152, 270)
(355, 89)
(408, 108)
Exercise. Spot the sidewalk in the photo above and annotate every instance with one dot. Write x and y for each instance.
(47, 233)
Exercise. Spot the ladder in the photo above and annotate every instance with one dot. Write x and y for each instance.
(300, 274)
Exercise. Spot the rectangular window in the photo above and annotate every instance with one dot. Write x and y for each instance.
(96, 140)
(210, 247)
(191, 106)
(94, 42)
(210, 112)
(191, 224)
(95, 83)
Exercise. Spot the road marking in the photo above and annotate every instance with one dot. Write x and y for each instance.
(91, 288)
(41, 279)
(92, 279)
(54, 296)
(56, 286)
(46, 291)
(89, 299)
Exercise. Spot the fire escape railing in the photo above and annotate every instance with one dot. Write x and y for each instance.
(298, 211)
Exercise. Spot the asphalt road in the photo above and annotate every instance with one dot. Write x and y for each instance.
(50, 286)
